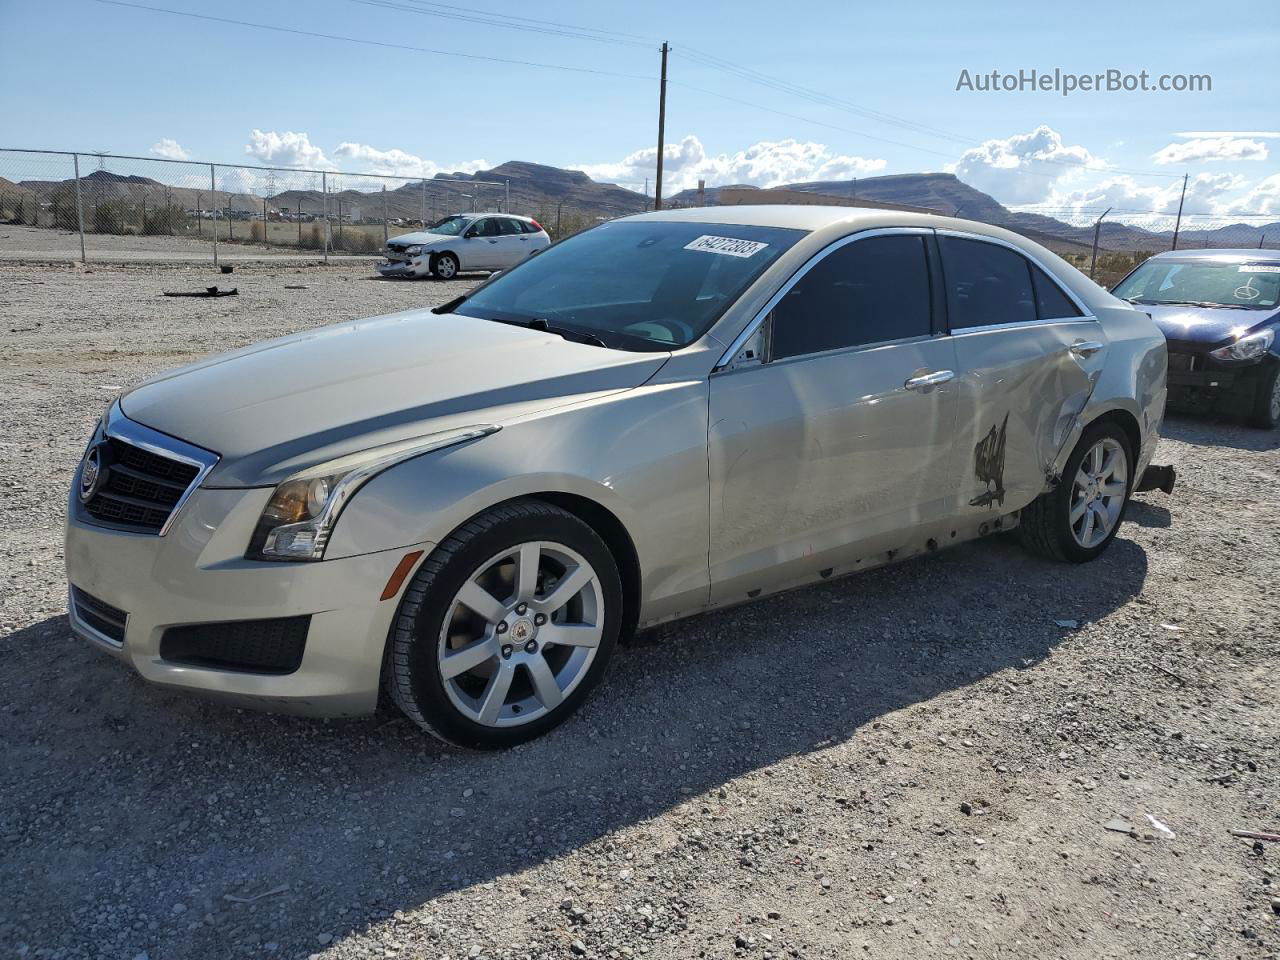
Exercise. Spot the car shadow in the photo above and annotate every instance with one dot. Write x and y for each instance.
(1206, 430)
(372, 816)
(1146, 514)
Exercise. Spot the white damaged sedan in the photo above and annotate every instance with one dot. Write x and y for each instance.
(465, 242)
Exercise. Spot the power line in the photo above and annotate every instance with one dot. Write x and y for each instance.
(373, 43)
(510, 22)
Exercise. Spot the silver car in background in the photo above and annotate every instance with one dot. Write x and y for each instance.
(463, 243)
(669, 413)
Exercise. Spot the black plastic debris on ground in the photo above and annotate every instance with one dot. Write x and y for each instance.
(206, 292)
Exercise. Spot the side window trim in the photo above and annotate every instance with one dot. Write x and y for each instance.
(1085, 313)
(740, 341)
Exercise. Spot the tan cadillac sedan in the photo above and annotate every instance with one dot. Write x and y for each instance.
(466, 507)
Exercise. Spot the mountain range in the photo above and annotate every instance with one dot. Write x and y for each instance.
(543, 190)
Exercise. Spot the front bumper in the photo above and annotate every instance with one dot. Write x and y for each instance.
(1198, 382)
(403, 268)
(197, 574)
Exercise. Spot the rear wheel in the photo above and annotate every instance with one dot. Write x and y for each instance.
(1079, 518)
(506, 628)
(444, 266)
(1266, 405)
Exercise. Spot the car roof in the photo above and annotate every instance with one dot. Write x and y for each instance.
(1224, 255)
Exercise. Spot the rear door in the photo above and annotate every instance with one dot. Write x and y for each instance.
(514, 242)
(1028, 356)
(836, 446)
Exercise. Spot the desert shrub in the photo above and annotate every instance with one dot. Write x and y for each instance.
(164, 220)
(109, 216)
(258, 232)
(315, 239)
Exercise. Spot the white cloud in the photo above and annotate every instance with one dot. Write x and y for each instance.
(1257, 134)
(1024, 168)
(286, 149)
(1264, 197)
(1138, 203)
(169, 149)
(763, 164)
(1201, 149)
(394, 162)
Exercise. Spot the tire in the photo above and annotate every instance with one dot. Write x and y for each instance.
(1266, 404)
(570, 644)
(444, 266)
(1046, 525)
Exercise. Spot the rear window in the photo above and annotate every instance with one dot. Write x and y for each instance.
(986, 284)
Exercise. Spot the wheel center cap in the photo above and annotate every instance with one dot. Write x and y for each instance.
(522, 630)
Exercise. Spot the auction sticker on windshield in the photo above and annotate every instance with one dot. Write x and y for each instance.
(1253, 268)
(729, 246)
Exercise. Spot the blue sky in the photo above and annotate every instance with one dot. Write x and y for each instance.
(94, 76)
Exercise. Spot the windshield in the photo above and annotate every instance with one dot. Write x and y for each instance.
(1203, 283)
(636, 285)
(450, 226)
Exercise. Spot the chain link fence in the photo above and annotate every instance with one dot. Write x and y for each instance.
(1107, 244)
(104, 206)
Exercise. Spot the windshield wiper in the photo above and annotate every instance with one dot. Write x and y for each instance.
(576, 336)
(544, 325)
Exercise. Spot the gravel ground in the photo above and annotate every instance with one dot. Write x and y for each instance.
(916, 762)
(44, 244)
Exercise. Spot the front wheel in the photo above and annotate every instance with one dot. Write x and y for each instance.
(506, 627)
(444, 266)
(1080, 517)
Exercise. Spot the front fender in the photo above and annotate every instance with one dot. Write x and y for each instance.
(642, 455)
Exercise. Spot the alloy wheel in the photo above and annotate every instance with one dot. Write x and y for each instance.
(521, 633)
(1098, 492)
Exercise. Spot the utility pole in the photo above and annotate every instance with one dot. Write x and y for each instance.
(1177, 224)
(662, 127)
(507, 207)
(424, 205)
(1097, 228)
(385, 230)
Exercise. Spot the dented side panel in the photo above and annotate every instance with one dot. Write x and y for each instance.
(1020, 396)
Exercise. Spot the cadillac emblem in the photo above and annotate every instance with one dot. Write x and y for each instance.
(91, 473)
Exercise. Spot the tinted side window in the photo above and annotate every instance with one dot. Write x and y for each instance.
(510, 227)
(867, 291)
(985, 284)
(1051, 302)
(486, 227)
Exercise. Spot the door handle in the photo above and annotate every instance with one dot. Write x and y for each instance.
(927, 381)
(493, 241)
(1086, 348)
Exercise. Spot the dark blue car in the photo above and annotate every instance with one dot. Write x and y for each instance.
(1219, 310)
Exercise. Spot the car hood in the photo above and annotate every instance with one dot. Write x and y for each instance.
(409, 239)
(284, 405)
(1205, 325)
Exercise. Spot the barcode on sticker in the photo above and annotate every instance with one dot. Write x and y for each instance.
(729, 246)
(1260, 268)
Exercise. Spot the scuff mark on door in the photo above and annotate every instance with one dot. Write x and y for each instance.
(988, 465)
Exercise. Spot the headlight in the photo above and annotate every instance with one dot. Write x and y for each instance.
(1246, 348)
(414, 250)
(299, 517)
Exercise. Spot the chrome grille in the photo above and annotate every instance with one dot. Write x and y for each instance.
(143, 476)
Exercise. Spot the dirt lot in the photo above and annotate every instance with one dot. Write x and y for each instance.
(915, 763)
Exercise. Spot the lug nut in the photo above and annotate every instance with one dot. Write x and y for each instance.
(539, 619)
(531, 646)
(521, 608)
(500, 628)
(506, 651)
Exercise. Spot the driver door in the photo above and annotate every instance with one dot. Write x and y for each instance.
(835, 448)
(479, 247)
